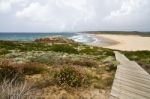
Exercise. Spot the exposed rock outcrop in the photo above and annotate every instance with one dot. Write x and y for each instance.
(55, 40)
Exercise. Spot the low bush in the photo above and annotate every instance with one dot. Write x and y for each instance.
(33, 68)
(107, 82)
(9, 71)
(85, 62)
(64, 48)
(52, 60)
(88, 50)
(4, 51)
(97, 51)
(104, 83)
(24, 46)
(69, 76)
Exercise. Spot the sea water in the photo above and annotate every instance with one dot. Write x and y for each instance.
(20, 36)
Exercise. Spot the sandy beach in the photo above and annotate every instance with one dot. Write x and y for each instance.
(124, 42)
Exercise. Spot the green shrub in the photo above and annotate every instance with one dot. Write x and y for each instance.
(139, 56)
(63, 48)
(85, 62)
(88, 50)
(108, 81)
(111, 67)
(24, 46)
(8, 45)
(44, 59)
(97, 51)
(52, 60)
(104, 83)
(69, 76)
(4, 51)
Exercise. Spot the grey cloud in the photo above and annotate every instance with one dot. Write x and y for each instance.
(73, 15)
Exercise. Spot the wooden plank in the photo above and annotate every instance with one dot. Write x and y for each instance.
(131, 80)
(113, 97)
(125, 94)
(131, 70)
(132, 85)
(134, 78)
(134, 82)
(133, 74)
(132, 90)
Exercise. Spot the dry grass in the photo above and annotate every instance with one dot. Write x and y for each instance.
(10, 89)
(9, 70)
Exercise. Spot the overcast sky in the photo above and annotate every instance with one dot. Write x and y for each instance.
(74, 15)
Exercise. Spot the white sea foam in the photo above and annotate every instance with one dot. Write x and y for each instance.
(84, 38)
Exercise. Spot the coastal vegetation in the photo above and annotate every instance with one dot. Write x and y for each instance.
(56, 69)
(59, 68)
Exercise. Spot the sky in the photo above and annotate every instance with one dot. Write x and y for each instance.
(74, 15)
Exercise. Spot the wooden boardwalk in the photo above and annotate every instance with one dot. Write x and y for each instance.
(131, 81)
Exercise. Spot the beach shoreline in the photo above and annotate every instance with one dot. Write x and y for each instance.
(123, 42)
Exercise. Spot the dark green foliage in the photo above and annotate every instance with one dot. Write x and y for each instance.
(138, 55)
(69, 76)
(4, 51)
(29, 46)
(97, 51)
(108, 81)
(67, 48)
(141, 57)
(88, 50)
(63, 48)
(111, 67)
(23, 46)
(107, 52)
(8, 45)
(43, 59)
(85, 62)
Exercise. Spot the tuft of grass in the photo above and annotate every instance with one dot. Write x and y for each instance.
(11, 89)
(104, 83)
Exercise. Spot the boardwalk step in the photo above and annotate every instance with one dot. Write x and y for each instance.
(131, 81)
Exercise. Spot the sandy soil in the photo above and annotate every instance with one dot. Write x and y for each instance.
(124, 42)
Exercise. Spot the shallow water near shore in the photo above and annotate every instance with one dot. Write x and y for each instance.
(78, 37)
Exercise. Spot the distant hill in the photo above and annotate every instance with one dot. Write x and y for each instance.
(120, 32)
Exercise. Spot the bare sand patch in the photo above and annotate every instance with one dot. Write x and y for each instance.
(125, 42)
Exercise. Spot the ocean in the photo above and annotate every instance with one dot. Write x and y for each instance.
(79, 37)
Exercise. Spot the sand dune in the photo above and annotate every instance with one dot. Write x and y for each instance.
(127, 42)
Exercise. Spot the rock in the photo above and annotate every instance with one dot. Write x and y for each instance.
(55, 40)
